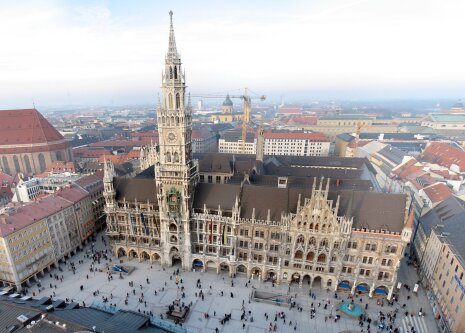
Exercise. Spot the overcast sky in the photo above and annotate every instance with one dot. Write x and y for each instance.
(112, 52)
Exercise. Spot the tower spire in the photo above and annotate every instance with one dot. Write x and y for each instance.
(172, 52)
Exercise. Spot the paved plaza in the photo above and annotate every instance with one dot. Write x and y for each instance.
(96, 287)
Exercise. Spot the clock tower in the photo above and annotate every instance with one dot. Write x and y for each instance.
(176, 172)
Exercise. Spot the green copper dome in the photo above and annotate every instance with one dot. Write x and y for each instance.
(227, 101)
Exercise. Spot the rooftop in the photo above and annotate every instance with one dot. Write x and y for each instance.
(30, 213)
(26, 126)
(445, 155)
(438, 192)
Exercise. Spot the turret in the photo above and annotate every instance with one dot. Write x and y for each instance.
(260, 144)
(108, 177)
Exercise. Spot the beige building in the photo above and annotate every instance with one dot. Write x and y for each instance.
(447, 281)
(37, 235)
(306, 220)
(441, 253)
(276, 143)
(26, 248)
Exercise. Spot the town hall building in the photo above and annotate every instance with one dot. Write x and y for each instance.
(314, 221)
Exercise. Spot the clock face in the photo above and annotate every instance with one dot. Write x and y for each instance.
(171, 137)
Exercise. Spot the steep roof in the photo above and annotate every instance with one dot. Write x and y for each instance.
(140, 189)
(438, 192)
(30, 213)
(449, 210)
(445, 155)
(370, 210)
(26, 126)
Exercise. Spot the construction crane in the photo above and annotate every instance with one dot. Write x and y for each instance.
(247, 99)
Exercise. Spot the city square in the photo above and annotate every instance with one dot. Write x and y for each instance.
(154, 288)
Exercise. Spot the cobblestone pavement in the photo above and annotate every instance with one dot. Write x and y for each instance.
(162, 281)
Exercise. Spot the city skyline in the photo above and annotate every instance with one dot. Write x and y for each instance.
(105, 53)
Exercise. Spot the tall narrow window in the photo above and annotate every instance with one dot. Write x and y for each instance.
(28, 164)
(16, 162)
(178, 101)
(175, 72)
(171, 72)
(6, 166)
(170, 101)
(42, 162)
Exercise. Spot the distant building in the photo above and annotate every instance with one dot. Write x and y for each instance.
(457, 107)
(439, 121)
(204, 140)
(292, 143)
(296, 143)
(231, 142)
(29, 143)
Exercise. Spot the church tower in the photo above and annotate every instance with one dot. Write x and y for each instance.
(176, 172)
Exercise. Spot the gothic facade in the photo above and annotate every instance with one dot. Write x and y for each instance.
(333, 230)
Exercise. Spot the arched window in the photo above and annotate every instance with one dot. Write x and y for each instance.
(171, 72)
(16, 163)
(322, 258)
(28, 164)
(312, 241)
(175, 157)
(170, 101)
(6, 166)
(311, 226)
(317, 227)
(175, 72)
(177, 121)
(300, 239)
(298, 255)
(178, 101)
(324, 243)
(168, 157)
(58, 156)
(42, 165)
(172, 121)
(310, 256)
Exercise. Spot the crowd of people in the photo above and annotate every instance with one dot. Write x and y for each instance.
(319, 306)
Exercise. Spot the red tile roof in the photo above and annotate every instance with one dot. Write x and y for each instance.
(60, 166)
(446, 174)
(290, 110)
(115, 159)
(5, 179)
(31, 213)
(72, 194)
(445, 155)
(296, 135)
(409, 170)
(26, 126)
(438, 192)
(121, 143)
(301, 120)
(85, 152)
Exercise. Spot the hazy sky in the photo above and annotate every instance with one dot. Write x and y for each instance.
(112, 52)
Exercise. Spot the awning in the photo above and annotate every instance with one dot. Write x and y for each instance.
(361, 287)
(343, 285)
(380, 291)
(198, 263)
